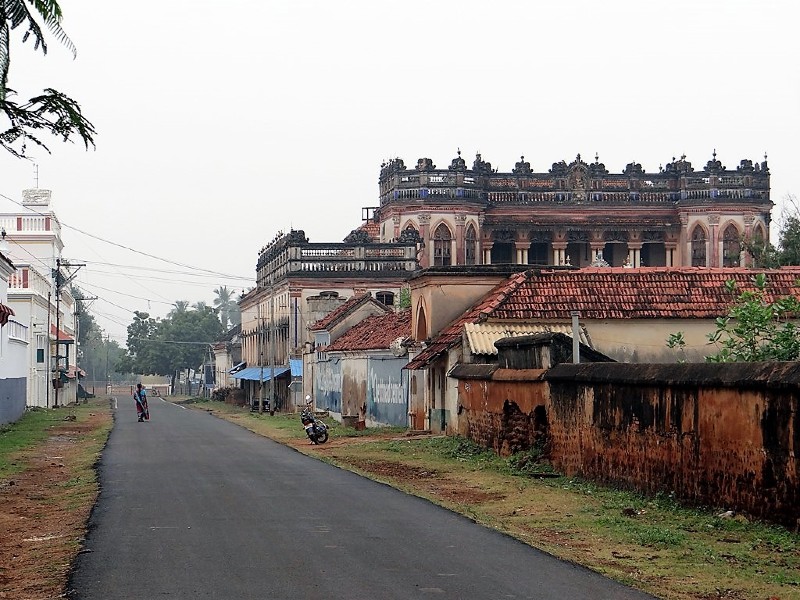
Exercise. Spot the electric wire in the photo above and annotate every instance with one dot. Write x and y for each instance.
(124, 247)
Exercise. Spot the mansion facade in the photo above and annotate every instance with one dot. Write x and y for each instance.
(576, 214)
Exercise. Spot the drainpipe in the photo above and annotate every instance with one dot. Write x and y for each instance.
(576, 337)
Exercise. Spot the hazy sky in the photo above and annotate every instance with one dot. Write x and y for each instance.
(220, 123)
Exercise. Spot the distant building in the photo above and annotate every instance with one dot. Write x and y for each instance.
(577, 213)
(299, 282)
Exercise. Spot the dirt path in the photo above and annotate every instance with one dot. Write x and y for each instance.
(45, 509)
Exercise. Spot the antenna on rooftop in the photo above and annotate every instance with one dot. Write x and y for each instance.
(36, 175)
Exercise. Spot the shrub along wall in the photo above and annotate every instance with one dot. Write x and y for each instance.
(723, 435)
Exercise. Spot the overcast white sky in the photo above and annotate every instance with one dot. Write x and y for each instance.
(220, 123)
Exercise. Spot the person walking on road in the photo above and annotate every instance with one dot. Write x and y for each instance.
(140, 395)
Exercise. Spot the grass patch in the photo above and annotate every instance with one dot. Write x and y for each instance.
(33, 428)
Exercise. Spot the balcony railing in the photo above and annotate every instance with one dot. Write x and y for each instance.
(27, 280)
(338, 258)
(30, 224)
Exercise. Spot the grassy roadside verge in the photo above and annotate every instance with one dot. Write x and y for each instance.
(650, 543)
(48, 486)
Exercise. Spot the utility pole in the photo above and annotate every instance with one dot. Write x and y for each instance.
(77, 338)
(271, 347)
(108, 381)
(260, 330)
(49, 353)
(60, 282)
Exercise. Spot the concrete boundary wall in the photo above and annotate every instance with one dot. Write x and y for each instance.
(718, 435)
(12, 399)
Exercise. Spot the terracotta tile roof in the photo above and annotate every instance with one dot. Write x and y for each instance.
(644, 293)
(340, 311)
(373, 228)
(376, 332)
(609, 293)
(451, 335)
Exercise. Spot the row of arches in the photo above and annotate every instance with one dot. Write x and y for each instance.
(540, 252)
(731, 244)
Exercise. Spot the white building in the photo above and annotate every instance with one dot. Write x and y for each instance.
(13, 351)
(33, 237)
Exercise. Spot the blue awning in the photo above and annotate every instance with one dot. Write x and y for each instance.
(296, 365)
(255, 373)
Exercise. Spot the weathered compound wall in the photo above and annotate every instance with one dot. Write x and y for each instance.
(720, 435)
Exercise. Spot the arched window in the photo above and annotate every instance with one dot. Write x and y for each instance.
(758, 235)
(470, 246)
(731, 246)
(699, 247)
(442, 244)
(421, 334)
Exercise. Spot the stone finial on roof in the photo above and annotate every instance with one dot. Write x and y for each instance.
(458, 163)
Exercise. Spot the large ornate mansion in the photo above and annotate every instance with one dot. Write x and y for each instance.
(575, 214)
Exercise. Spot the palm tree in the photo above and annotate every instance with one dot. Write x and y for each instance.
(181, 306)
(51, 111)
(228, 307)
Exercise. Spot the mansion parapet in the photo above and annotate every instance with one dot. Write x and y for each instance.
(577, 213)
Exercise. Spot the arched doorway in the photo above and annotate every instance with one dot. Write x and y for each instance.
(540, 250)
(503, 247)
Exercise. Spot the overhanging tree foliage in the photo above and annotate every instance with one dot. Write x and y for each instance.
(51, 111)
(755, 328)
(179, 341)
(787, 251)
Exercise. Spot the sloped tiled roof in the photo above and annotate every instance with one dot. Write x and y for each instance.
(451, 335)
(373, 228)
(340, 311)
(376, 332)
(644, 293)
(610, 293)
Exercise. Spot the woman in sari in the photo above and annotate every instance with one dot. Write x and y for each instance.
(140, 395)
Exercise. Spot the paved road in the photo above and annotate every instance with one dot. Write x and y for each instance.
(197, 507)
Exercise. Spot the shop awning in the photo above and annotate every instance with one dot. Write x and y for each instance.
(62, 336)
(296, 365)
(238, 367)
(5, 313)
(71, 372)
(260, 373)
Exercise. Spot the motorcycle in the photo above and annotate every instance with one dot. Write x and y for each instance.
(316, 430)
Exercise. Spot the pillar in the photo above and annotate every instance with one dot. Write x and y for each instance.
(670, 247)
(459, 254)
(522, 252)
(487, 253)
(635, 254)
(713, 256)
(559, 253)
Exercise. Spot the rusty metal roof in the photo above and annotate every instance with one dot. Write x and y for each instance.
(482, 336)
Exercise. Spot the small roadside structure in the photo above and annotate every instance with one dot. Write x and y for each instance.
(361, 379)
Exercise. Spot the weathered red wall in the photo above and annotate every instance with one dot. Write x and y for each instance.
(719, 435)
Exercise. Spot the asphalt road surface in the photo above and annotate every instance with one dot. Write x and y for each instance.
(196, 507)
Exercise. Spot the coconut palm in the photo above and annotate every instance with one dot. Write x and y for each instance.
(228, 307)
(51, 111)
(181, 306)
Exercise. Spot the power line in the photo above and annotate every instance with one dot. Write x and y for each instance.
(156, 270)
(99, 287)
(124, 247)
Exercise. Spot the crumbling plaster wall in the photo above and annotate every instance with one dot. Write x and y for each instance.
(718, 435)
